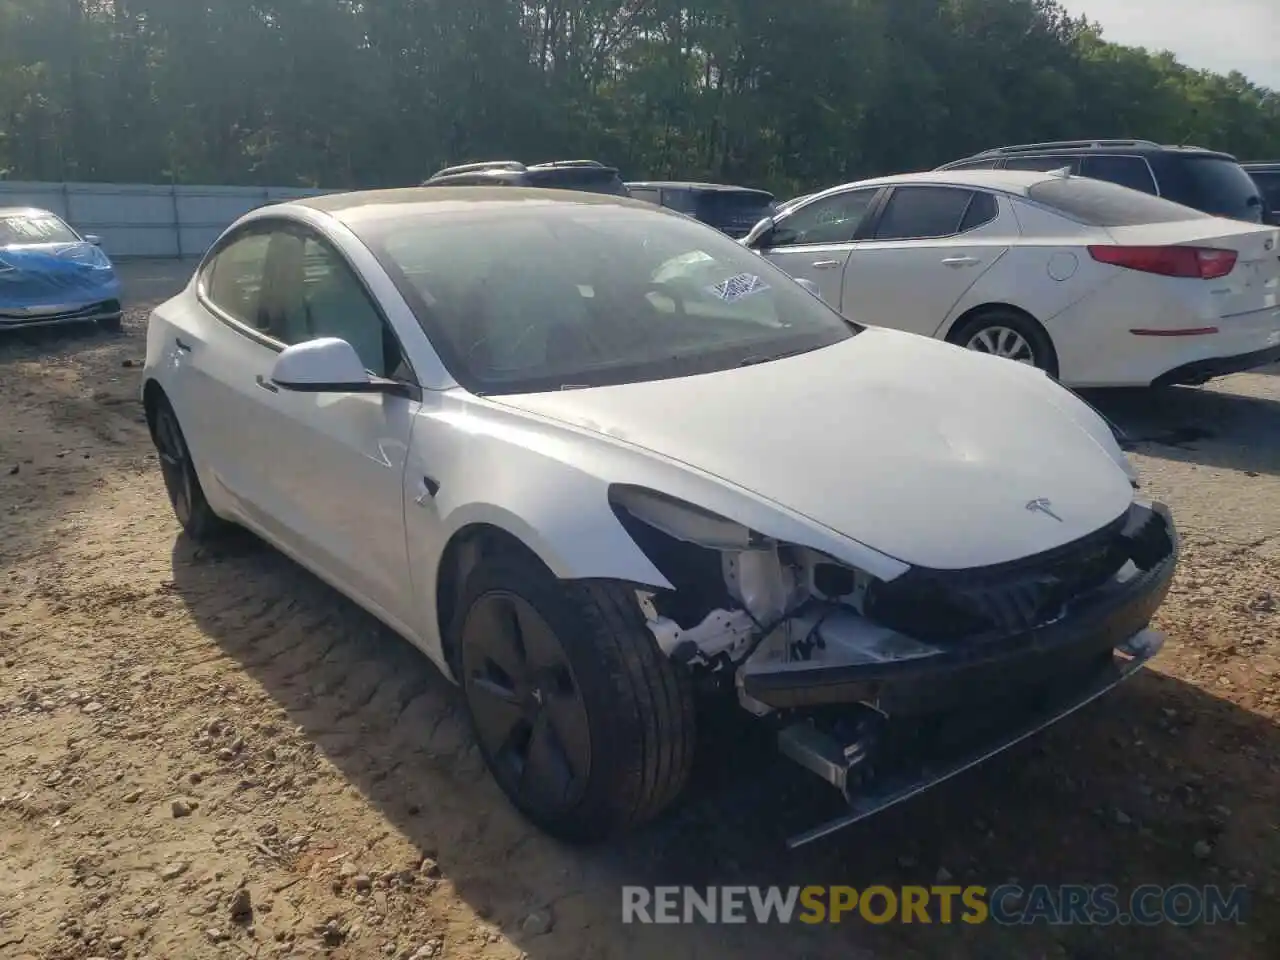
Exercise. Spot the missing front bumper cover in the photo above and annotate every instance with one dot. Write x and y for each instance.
(839, 762)
(865, 663)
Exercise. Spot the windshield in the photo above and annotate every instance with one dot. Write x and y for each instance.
(1222, 187)
(522, 298)
(1101, 203)
(15, 230)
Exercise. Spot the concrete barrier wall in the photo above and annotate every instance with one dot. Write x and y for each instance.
(147, 220)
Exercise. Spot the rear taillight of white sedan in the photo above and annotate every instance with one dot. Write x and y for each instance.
(1201, 263)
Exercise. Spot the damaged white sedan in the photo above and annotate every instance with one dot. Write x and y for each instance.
(596, 459)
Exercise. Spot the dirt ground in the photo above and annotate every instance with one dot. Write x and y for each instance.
(211, 754)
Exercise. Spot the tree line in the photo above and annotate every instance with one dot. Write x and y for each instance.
(786, 95)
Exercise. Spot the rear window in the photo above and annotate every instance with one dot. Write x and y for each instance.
(578, 178)
(1102, 204)
(1220, 186)
(721, 206)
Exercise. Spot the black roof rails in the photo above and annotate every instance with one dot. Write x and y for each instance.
(1064, 145)
(513, 165)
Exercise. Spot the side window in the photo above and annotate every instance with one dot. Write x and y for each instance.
(318, 295)
(832, 220)
(983, 208)
(235, 278)
(1042, 163)
(647, 194)
(1131, 172)
(1268, 182)
(919, 213)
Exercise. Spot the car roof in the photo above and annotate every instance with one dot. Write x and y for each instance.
(1074, 147)
(1267, 165)
(1007, 181)
(343, 206)
(694, 185)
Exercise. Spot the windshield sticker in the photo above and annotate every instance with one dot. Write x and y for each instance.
(735, 288)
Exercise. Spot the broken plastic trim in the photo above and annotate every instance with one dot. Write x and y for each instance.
(737, 595)
(684, 521)
(834, 762)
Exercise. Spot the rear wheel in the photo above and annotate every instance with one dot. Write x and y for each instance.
(586, 726)
(1009, 334)
(186, 496)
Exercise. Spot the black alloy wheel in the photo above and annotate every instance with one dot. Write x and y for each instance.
(528, 711)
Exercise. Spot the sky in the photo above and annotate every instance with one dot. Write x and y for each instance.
(1218, 35)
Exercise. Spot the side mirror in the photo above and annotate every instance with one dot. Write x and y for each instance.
(93, 238)
(328, 365)
(811, 287)
(759, 233)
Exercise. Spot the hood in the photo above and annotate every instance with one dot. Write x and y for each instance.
(39, 272)
(920, 450)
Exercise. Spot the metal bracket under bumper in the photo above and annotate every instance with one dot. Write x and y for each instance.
(1136, 651)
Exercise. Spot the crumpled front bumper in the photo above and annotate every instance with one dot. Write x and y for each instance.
(966, 672)
(845, 721)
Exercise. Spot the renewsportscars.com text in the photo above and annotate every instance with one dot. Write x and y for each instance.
(1008, 905)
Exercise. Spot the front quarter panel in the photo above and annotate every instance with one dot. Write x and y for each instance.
(526, 482)
(547, 484)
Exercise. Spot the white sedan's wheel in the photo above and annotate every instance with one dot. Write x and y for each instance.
(1003, 342)
(1009, 334)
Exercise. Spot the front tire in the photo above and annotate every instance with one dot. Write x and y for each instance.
(586, 726)
(1010, 334)
(186, 496)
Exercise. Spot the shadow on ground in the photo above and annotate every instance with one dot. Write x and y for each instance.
(1122, 794)
(43, 343)
(1194, 425)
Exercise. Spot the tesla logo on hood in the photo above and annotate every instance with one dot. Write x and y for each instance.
(1041, 505)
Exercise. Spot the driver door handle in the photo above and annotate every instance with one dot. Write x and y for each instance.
(266, 384)
(825, 264)
(962, 261)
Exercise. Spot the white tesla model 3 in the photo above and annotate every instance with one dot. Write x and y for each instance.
(592, 456)
(1098, 284)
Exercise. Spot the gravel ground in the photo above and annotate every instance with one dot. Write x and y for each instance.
(211, 754)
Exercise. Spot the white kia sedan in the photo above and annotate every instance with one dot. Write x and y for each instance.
(1095, 283)
(592, 456)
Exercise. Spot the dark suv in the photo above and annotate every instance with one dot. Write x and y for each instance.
(1206, 180)
(1267, 177)
(590, 176)
(732, 210)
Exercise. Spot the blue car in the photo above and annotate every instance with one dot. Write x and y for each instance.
(50, 274)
